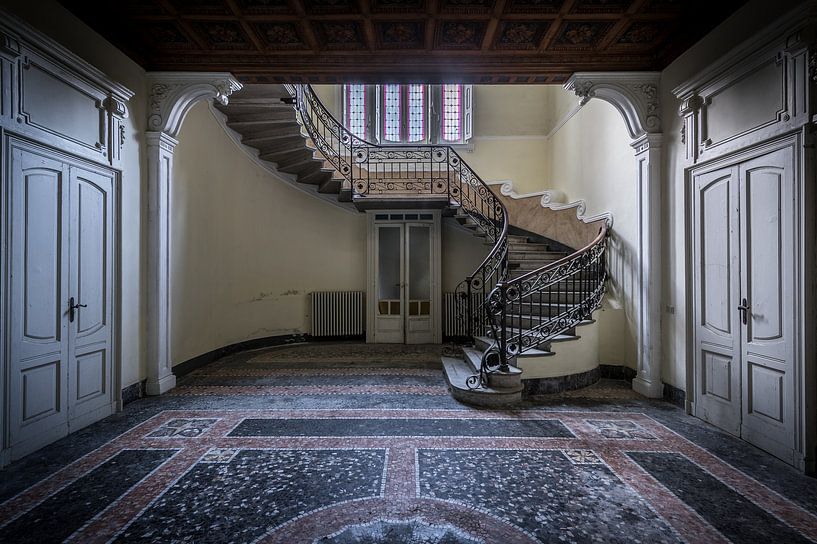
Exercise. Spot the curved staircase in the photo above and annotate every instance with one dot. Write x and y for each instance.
(525, 296)
(264, 117)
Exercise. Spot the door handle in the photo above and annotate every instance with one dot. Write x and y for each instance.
(744, 311)
(72, 308)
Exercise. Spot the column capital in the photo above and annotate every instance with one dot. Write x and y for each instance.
(161, 140)
(646, 142)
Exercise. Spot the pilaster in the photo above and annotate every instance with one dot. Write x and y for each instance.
(636, 97)
(172, 94)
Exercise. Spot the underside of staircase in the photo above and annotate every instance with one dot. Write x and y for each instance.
(266, 119)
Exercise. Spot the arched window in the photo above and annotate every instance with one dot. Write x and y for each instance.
(409, 114)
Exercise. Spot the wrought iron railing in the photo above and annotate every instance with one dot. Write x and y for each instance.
(486, 297)
(531, 310)
(435, 171)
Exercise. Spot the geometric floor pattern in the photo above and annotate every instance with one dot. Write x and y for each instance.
(228, 457)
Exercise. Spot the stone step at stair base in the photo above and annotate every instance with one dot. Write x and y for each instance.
(457, 371)
(497, 380)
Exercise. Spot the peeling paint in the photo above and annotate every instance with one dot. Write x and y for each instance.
(290, 292)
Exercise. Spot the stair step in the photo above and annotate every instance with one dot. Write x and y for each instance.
(275, 141)
(330, 186)
(483, 343)
(301, 169)
(457, 371)
(538, 252)
(268, 107)
(530, 264)
(261, 90)
(317, 177)
(251, 118)
(268, 133)
(566, 296)
(288, 144)
(286, 157)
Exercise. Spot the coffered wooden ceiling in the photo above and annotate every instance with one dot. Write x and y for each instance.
(333, 41)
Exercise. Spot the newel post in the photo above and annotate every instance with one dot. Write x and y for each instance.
(636, 97)
(172, 94)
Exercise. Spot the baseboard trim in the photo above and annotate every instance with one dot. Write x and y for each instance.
(188, 366)
(558, 384)
(675, 396)
(133, 392)
(617, 372)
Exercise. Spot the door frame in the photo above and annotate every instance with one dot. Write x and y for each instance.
(436, 265)
(8, 142)
(803, 303)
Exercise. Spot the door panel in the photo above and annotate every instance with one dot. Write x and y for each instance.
(38, 286)
(91, 235)
(764, 248)
(390, 306)
(767, 281)
(419, 320)
(717, 337)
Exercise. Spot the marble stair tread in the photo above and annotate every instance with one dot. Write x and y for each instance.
(457, 372)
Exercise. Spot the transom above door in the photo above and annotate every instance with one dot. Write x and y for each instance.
(404, 277)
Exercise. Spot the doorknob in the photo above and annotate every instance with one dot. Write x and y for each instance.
(72, 308)
(744, 311)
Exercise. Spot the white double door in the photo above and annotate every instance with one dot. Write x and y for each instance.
(403, 283)
(60, 331)
(744, 236)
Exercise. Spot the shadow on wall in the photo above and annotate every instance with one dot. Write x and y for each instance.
(622, 290)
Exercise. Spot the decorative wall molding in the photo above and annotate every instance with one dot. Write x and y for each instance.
(769, 74)
(634, 94)
(172, 94)
(36, 73)
(553, 199)
(9, 45)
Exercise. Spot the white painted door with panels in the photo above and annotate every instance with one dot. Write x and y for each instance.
(744, 246)
(61, 276)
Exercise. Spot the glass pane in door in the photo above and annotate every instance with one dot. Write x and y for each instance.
(419, 270)
(388, 270)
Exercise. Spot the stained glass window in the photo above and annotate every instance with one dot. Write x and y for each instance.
(391, 113)
(452, 113)
(411, 113)
(356, 110)
(416, 113)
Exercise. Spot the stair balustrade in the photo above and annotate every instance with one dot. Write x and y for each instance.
(564, 293)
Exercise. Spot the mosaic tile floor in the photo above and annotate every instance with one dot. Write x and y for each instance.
(269, 446)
